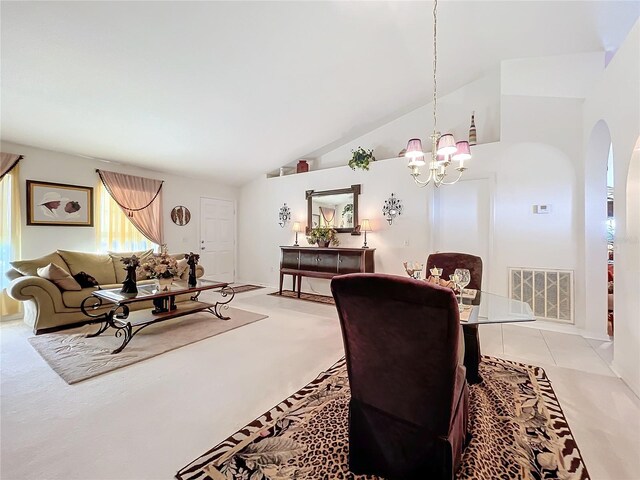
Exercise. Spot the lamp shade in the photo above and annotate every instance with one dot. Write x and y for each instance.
(463, 151)
(446, 145)
(297, 227)
(365, 226)
(414, 153)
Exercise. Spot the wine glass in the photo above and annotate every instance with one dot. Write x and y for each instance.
(464, 278)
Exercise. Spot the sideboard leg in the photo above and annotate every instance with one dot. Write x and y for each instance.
(299, 284)
(281, 277)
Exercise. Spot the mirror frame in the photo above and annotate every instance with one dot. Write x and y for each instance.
(355, 189)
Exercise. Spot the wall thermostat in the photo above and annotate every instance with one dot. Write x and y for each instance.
(541, 209)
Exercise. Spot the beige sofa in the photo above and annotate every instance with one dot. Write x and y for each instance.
(47, 308)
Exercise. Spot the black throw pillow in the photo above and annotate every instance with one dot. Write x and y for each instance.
(85, 280)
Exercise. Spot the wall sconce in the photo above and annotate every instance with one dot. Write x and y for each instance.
(365, 227)
(284, 215)
(392, 208)
(297, 228)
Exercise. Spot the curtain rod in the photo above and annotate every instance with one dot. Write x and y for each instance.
(98, 171)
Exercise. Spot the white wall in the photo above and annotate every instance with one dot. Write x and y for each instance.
(454, 116)
(616, 100)
(260, 235)
(58, 167)
(568, 76)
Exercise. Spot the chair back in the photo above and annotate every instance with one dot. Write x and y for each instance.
(401, 343)
(449, 261)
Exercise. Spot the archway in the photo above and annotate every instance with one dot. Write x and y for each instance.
(595, 232)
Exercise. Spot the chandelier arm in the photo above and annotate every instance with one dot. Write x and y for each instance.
(423, 183)
(455, 181)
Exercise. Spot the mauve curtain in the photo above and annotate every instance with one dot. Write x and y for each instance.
(140, 199)
(7, 162)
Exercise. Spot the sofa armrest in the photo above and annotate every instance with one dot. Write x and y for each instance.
(42, 291)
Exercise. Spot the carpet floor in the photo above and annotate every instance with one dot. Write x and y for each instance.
(245, 288)
(75, 357)
(309, 297)
(517, 427)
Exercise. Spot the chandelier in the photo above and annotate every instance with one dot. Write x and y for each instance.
(444, 148)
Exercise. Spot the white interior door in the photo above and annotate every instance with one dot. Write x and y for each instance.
(463, 220)
(218, 239)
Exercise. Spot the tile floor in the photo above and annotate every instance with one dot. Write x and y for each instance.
(148, 420)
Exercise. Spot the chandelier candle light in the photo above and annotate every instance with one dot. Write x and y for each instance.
(444, 148)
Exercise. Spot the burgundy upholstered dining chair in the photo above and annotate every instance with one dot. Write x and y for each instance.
(449, 261)
(408, 412)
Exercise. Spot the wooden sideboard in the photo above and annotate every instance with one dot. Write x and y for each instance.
(323, 262)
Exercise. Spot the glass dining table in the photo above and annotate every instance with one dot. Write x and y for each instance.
(487, 308)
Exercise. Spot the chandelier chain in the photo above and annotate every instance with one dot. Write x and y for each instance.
(435, 64)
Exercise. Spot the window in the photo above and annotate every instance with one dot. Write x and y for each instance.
(9, 237)
(114, 230)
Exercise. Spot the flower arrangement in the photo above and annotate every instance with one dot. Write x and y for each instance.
(323, 236)
(361, 158)
(161, 265)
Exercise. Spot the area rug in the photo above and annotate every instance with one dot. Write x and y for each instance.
(245, 288)
(517, 426)
(75, 357)
(310, 297)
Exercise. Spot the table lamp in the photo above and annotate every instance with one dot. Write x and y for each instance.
(365, 227)
(297, 228)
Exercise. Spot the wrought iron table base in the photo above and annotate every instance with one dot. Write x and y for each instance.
(116, 317)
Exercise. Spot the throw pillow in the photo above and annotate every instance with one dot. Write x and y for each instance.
(99, 264)
(59, 276)
(183, 266)
(121, 273)
(85, 280)
(30, 267)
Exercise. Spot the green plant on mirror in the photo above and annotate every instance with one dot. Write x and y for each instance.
(361, 158)
(323, 236)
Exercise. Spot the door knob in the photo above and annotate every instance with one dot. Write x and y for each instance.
(202, 241)
(201, 248)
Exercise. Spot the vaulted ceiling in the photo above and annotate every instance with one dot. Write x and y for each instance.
(230, 90)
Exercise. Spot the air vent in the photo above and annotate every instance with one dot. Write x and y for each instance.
(548, 292)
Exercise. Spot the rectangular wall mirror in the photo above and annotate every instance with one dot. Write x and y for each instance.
(334, 208)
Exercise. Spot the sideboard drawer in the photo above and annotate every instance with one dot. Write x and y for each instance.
(327, 263)
(350, 262)
(290, 259)
(308, 261)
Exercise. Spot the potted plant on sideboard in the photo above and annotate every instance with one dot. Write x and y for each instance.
(323, 236)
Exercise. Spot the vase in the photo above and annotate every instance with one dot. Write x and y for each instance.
(164, 284)
(302, 166)
(472, 130)
(324, 243)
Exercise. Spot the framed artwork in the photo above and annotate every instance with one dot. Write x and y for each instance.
(316, 220)
(59, 204)
(180, 215)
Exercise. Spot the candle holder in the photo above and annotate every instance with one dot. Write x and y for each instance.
(436, 273)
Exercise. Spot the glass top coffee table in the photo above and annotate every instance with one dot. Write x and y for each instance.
(128, 323)
(487, 308)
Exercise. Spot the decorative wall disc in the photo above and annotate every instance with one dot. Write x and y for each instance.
(180, 215)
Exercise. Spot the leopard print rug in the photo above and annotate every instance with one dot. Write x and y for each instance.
(517, 426)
